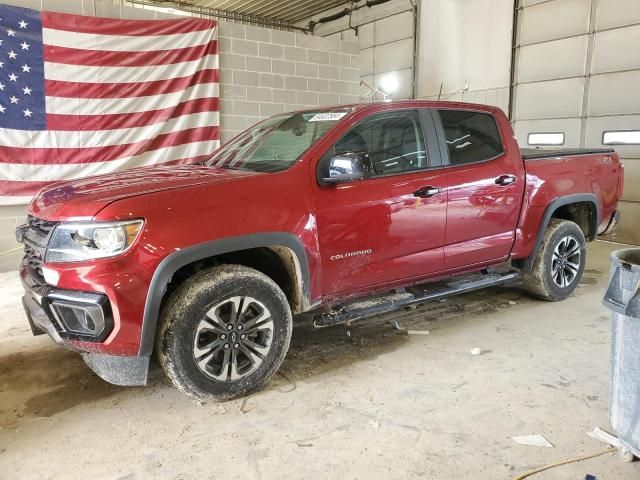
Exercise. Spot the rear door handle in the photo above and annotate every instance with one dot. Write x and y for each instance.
(426, 192)
(505, 180)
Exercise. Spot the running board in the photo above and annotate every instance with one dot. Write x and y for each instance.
(422, 293)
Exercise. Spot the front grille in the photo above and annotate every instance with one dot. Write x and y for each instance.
(36, 237)
(34, 260)
(39, 226)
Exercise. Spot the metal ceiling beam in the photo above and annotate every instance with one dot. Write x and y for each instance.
(301, 8)
(223, 14)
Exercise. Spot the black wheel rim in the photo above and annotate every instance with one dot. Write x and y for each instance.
(565, 261)
(233, 339)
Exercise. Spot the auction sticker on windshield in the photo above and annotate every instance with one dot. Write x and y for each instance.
(327, 116)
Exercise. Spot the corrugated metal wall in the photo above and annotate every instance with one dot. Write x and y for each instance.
(577, 71)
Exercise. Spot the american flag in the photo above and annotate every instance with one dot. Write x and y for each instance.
(82, 96)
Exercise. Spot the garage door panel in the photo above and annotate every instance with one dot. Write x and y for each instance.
(395, 27)
(560, 18)
(366, 61)
(628, 231)
(570, 127)
(596, 126)
(631, 179)
(617, 13)
(554, 99)
(617, 50)
(614, 93)
(365, 35)
(393, 56)
(556, 59)
(404, 83)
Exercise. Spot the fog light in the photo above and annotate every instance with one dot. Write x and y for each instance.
(81, 320)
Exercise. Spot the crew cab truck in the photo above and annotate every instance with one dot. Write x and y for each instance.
(314, 211)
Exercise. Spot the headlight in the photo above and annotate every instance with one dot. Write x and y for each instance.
(75, 242)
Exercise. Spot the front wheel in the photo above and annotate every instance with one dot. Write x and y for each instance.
(224, 333)
(559, 263)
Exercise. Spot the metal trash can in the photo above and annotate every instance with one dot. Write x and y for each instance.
(623, 298)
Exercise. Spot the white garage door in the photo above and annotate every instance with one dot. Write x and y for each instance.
(577, 78)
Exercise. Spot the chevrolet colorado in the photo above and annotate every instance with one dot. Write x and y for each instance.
(314, 211)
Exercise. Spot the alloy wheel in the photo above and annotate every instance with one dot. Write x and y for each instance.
(565, 261)
(233, 339)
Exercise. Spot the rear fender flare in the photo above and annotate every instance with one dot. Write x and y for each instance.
(172, 263)
(527, 263)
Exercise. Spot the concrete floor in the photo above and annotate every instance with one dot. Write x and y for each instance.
(373, 405)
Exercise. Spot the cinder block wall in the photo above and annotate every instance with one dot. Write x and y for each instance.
(265, 72)
(262, 72)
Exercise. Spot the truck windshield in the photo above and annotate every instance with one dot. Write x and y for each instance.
(276, 143)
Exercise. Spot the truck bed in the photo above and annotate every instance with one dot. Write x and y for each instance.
(538, 153)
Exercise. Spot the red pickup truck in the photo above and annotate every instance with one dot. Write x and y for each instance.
(315, 211)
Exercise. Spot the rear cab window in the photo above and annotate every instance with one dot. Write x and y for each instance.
(470, 136)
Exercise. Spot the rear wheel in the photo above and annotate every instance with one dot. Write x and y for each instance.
(559, 263)
(224, 333)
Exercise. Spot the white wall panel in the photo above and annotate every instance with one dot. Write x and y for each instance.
(556, 59)
(464, 43)
(617, 13)
(612, 49)
(555, 19)
(554, 99)
(570, 127)
(498, 97)
(615, 93)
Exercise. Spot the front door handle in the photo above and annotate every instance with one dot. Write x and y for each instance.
(426, 192)
(505, 180)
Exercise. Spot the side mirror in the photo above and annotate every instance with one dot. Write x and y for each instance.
(348, 167)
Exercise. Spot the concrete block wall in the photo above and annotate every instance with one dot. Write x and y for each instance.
(385, 36)
(263, 72)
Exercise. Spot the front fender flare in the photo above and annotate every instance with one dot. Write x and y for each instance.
(172, 263)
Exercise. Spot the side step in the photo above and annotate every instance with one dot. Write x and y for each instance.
(424, 293)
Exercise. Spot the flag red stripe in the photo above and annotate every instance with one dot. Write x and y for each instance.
(129, 120)
(114, 26)
(54, 156)
(57, 88)
(16, 188)
(106, 58)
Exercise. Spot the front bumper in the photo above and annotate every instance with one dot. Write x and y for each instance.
(66, 314)
(68, 317)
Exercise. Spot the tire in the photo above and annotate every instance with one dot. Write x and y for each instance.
(207, 350)
(554, 275)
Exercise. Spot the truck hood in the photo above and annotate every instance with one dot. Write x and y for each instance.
(84, 198)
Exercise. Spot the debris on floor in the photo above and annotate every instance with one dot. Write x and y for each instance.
(535, 440)
(374, 423)
(604, 437)
(476, 351)
(401, 329)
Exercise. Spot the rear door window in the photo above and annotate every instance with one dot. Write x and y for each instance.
(470, 136)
